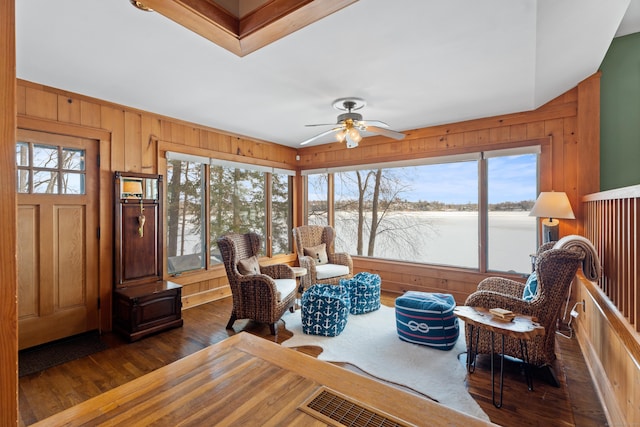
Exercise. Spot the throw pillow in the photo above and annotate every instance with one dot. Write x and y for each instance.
(249, 266)
(531, 287)
(318, 253)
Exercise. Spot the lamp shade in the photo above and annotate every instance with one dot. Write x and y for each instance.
(552, 204)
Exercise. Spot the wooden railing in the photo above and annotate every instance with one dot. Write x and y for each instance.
(612, 223)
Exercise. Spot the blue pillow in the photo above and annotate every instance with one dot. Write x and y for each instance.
(531, 287)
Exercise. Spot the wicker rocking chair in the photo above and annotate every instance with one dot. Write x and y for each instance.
(260, 293)
(555, 270)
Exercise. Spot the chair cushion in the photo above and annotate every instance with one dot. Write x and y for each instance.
(327, 271)
(531, 287)
(428, 319)
(285, 287)
(249, 266)
(318, 253)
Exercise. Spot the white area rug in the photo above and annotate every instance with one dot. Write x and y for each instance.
(370, 342)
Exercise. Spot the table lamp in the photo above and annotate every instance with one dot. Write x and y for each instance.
(552, 205)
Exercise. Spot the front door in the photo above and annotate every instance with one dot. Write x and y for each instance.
(57, 186)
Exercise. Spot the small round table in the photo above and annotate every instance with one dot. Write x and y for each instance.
(298, 272)
(521, 328)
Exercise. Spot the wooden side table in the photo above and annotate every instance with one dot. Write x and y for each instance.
(298, 272)
(522, 328)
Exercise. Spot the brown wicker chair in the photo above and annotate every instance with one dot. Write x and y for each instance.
(309, 236)
(555, 269)
(263, 297)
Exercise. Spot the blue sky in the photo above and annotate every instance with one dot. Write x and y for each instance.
(511, 178)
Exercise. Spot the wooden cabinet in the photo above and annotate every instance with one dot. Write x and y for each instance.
(143, 303)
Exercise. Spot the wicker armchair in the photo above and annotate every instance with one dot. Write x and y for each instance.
(263, 296)
(339, 265)
(555, 269)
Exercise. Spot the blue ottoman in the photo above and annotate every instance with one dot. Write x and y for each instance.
(364, 292)
(427, 319)
(325, 309)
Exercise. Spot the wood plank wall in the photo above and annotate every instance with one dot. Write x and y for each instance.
(567, 129)
(8, 280)
(136, 141)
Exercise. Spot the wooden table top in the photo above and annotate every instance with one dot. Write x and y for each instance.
(247, 380)
(521, 327)
(299, 271)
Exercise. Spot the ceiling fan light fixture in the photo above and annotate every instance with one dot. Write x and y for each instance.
(341, 135)
(355, 135)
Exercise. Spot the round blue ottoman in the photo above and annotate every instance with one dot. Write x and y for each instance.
(325, 309)
(364, 292)
(427, 318)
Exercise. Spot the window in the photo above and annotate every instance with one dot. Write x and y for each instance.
(207, 198)
(429, 213)
(512, 192)
(317, 199)
(281, 213)
(185, 213)
(49, 169)
(237, 202)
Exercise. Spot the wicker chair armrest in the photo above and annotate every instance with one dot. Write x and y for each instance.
(309, 263)
(490, 299)
(277, 271)
(502, 285)
(257, 286)
(341, 258)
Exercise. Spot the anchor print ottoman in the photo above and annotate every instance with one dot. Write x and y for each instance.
(364, 292)
(427, 319)
(325, 309)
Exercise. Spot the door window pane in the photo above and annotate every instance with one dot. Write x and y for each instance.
(45, 156)
(45, 182)
(72, 183)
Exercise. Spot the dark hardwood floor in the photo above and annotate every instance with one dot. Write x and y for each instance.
(574, 403)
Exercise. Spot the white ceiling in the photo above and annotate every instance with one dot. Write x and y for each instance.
(416, 62)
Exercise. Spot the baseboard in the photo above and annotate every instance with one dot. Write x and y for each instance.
(194, 300)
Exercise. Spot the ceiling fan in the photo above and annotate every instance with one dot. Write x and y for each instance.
(350, 124)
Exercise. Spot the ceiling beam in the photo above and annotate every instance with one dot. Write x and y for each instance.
(270, 22)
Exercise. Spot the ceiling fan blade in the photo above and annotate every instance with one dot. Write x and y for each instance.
(385, 132)
(375, 123)
(322, 124)
(320, 135)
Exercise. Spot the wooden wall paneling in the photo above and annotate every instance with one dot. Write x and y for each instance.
(535, 129)
(149, 129)
(554, 129)
(41, 104)
(191, 137)
(106, 227)
(570, 171)
(21, 99)
(8, 247)
(113, 121)
(132, 142)
(68, 110)
(90, 114)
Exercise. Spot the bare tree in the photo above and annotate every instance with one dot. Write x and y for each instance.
(377, 208)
